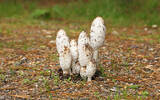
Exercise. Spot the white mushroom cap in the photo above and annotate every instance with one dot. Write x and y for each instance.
(97, 33)
(63, 48)
(83, 38)
(98, 21)
(62, 40)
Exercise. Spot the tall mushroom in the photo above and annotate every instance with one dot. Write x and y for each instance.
(74, 53)
(97, 35)
(63, 48)
(88, 68)
(85, 53)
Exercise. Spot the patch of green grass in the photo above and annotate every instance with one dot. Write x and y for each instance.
(2, 77)
(97, 95)
(1, 45)
(12, 72)
(121, 12)
(145, 93)
(46, 85)
(55, 78)
(45, 72)
(25, 47)
(133, 86)
(154, 38)
(117, 96)
(26, 81)
(17, 8)
(102, 70)
(11, 8)
(0, 31)
(41, 13)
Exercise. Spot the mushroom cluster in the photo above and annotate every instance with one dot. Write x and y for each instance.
(82, 57)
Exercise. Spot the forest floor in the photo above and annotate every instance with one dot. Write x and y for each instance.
(129, 66)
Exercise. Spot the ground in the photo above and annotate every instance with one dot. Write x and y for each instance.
(129, 66)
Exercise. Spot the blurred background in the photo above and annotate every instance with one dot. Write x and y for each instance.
(115, 12)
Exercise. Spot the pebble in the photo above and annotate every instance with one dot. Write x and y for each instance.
(150, 49)
(150, 32)
(154, 26)
(2, 97)
(113, 89)
(48, 36)
(145, 29)
(52, 41)
(43, 46)
(124, 29)
(115, 33)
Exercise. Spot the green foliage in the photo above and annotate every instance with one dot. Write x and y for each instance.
(41, 13)
(102, 70)
(46, 85)
(145, 93)
(56, 78)
(10, 9)
(117, 96)
(133, 86)
(2, 77)
(117, 12)
(26, 81)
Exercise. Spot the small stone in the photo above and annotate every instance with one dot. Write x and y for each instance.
(150, 32)
(48, 36)
(43, 46)
(133, 46)
(145, 29)
(124, 29)
(150, 49)
(52, 42)
(2, 97)
(23, 60)
(154, 26)
(149, 69)
(113, 89)
(115, 33)
(46, 31)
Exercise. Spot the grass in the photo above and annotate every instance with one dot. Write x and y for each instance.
(121, 12)
(11, 9)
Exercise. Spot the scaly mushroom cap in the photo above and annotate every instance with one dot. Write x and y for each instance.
(97, 33)
(84, 49)
(63, 48)
(62, 40)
